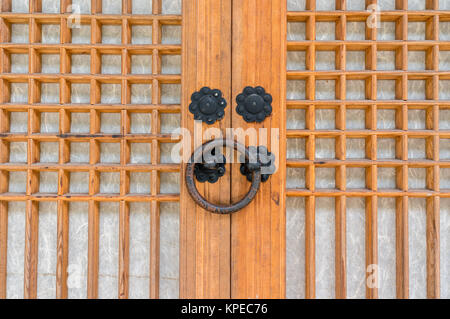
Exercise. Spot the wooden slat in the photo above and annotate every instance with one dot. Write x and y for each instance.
(258, 231)
(62, 250)
(371, 246)
(433, 247)
(340, 249)
(92, 285)
(3, 247)
(310, 247)
(124, 249)
(433, 204)
(31, 250)
(205, 237)
(402, 253)
(154, 250)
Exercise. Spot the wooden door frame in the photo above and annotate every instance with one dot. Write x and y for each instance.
(228, 45)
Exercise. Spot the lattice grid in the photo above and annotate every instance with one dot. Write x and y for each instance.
(368, 148)
(86, 116)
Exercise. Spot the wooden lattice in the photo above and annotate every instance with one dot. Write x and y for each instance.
(309, 41)
(69, 114)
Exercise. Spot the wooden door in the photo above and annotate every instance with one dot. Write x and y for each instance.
(89, 194)
(355, 208)
(242, 255)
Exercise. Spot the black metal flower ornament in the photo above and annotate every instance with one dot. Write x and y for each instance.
(208, 105)
(254, 104)
(211, 169)
(260, 159)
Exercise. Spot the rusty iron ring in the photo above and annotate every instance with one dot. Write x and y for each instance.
(199, 199)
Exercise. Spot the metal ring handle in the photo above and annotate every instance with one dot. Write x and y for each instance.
(199, 199)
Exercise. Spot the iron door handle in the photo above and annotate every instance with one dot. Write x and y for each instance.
(251, 168)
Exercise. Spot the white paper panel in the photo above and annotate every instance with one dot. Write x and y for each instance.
(169, 250)
(81, 34)
(325, 119)
(325, 89)
(325, 31)
(356, 30)
(386, 5)
(50, 6)
(111, 34)
(20, 6)
(356, 60)
(19, 63)
(356, 148)
(325, 5)
(385, 60)
(141, 6)
(296, 31)
(111, 64)
(49, 152)
(169, 122)
(386, 31)
(356, 90)
(18, 122)
(169, 183)
(80, 123)
(50, 33)
(108, 251)
(141, 34)
(17, 182)
(356, 5)
(356, 177)
(50, 120)
(15, 250)
(50, 63)
(171, 34)
(79, 183)
(325, 148)
(296, 5)
(171, 6)
(78, 250)
(295, 177)
(47, 244)
(19, 93)
(356, 258)
(48, 182)
(296, 89)
(295, 119)
(139, 279)
(296, 60)
(18, 152)
(325, 252)
(386, 248)
(325, 60)
(83, 6)
(325, 177)
(19, 33)
(111, 7)
(79, 152)
(295, 248)
(417, 221)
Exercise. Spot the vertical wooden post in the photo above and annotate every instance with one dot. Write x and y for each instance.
(62, 249)
(3, 246)
(258, 231)
(205, 237)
